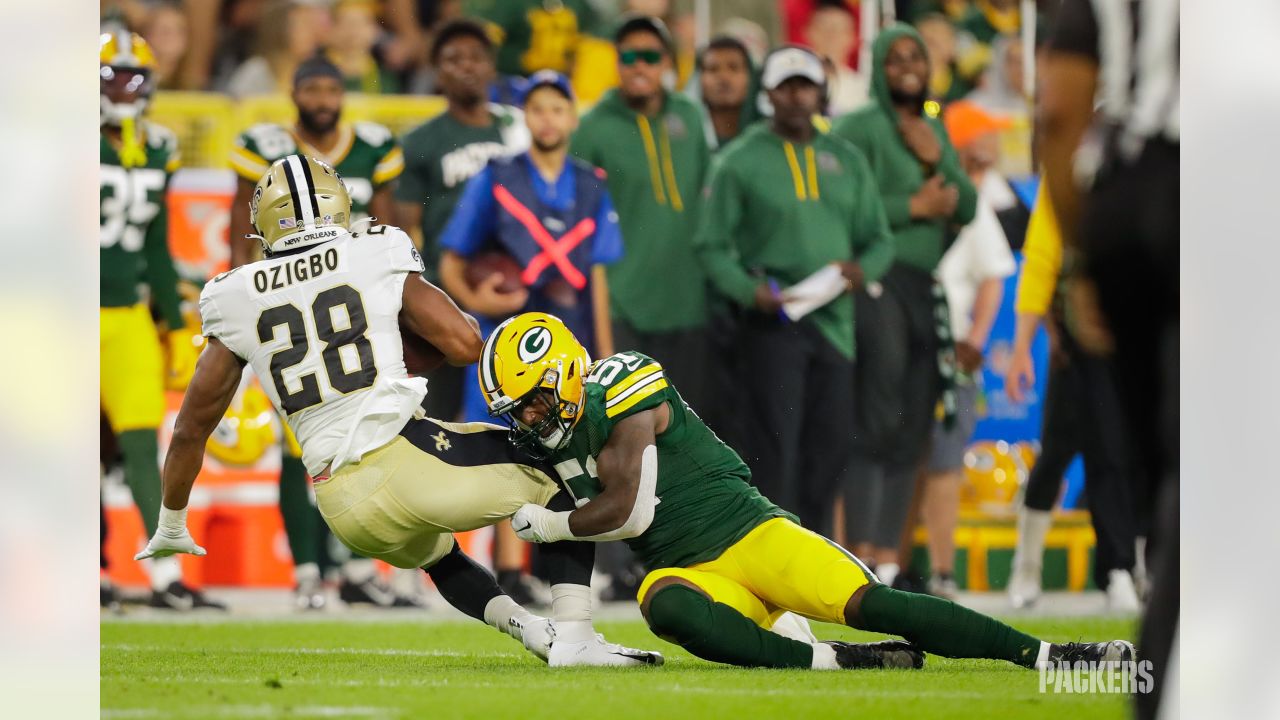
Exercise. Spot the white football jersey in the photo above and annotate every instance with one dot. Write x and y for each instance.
(321, 329)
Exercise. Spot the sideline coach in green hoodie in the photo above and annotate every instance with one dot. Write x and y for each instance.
(925, 193)
(784, 201)
(652, 145)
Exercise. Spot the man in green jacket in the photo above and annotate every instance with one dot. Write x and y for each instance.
(653, 147)
(926, 195)
(784, 201)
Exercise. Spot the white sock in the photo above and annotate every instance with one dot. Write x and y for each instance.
(1042, 658)
(1033, 526)
(571, 612)
(164, 572)
(499, 612)
(305, 573)
(358, 571)
(824, 657)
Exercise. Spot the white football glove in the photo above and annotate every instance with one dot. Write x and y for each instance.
(171, 537)
(534, 523)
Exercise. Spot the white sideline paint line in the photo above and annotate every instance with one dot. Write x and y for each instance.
(318, 711)
(128, 647)
(677, 689)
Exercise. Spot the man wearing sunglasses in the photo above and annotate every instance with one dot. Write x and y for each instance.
(652, 145)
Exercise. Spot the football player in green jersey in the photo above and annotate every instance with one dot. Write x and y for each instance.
(136, 160)
(369, 160)
(730, 574)
(365, 154)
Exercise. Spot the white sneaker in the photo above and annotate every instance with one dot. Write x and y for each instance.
(598, 653)
(1121, 594)
(1024, 586)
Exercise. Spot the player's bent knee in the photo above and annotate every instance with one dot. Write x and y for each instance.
(676, 612)
(649, 590)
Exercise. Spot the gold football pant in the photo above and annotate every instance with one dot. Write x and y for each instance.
(402, 502)
(777, 567)
(132, 368)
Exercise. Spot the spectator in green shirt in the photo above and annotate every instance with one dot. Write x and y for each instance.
(926, 196)
(653, 147)
(785, 201)
(443, 153)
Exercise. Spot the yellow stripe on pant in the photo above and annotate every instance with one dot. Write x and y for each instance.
(778, 567)
(131, 369)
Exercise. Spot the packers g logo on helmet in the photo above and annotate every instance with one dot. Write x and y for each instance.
(295, 201)
(535, 343)
(531, 358)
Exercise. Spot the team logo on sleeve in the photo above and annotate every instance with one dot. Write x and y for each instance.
(534, 344)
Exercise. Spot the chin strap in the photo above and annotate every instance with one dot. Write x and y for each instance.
(132, 154)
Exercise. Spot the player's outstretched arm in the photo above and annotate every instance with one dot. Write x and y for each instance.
(628, 470)
(212, 387)
(430, 313)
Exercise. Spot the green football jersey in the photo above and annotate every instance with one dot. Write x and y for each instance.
(134, 225)
(705, 500)
(367, 157)
(441, 155)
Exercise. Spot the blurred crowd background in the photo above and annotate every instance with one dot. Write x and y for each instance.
(951, 483)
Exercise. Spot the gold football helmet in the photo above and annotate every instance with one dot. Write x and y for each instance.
(530, 358)
(296, 201)
(125, 67)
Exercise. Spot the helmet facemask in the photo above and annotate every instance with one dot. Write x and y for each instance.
(549, 434)
(123, 92)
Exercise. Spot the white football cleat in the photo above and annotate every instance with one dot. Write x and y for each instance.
(595, 652)
(1024, 586)
(1121, 595)
(537, 635)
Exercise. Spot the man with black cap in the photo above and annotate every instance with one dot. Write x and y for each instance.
(785, 202)
(652, 145)
(369, 160)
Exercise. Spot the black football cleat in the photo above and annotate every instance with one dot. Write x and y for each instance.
(890, 654)
(180, 597)
(368, 592)
(1111, 651)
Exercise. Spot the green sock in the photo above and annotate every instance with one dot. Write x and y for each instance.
(714, 631)
(141, 450)
(944, 628)
(297, 511)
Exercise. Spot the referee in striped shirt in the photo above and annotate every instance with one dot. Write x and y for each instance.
(1123, 218)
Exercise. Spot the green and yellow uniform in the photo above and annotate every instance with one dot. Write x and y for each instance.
(367, 157)
(655, 169)
(710, 525)
(134, 252)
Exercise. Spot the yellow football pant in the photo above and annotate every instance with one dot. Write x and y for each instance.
(132, 368)
(778, 567)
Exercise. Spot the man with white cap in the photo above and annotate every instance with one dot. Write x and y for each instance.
(784, 202)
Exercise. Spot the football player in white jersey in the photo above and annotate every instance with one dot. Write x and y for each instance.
(319, 320)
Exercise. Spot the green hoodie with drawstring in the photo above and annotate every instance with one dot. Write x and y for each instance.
(873, 128)
(654, 169)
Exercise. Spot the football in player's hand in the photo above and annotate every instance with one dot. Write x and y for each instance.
(420, 356)
(485, 264)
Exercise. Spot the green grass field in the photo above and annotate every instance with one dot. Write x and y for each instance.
(336, 668)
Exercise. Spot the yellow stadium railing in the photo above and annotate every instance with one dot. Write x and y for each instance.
(207, 123)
